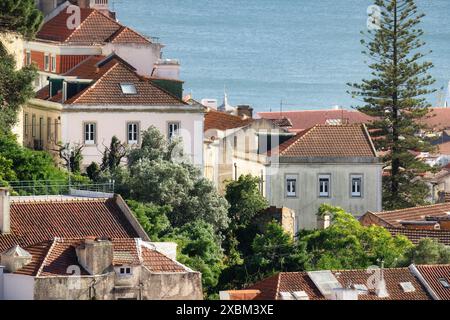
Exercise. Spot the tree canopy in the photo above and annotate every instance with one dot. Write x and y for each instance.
(20, 16)
(395, 94)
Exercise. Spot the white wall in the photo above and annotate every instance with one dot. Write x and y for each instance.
(141, 57)
(307, 202)
(110, 123)
(18, 287)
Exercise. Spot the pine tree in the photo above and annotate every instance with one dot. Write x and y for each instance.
(20, 16)
(395, 95)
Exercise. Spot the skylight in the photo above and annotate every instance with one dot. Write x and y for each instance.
(407, 287)
(444, 283)
(128, 88)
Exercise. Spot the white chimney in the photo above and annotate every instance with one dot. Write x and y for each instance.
(210, 103)
(5, 222)
(343, 294)
(15, 258)
(167, 69)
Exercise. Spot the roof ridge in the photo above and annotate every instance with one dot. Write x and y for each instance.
(84, 92)
(406, 209)
(296, 139)
(47, 256)
(79, 27)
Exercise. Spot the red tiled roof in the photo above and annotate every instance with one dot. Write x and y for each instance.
(36, 222)
(444, 148)
(393, 218)
(55, 257)
(416, 235)
(107, 75)
(157, 262)
(216, 120)
(329, 141)
(95, 28)
(432, 275)
(438, 119)
(304, 119)
(300, 281)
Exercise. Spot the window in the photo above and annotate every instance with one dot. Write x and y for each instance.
(125, 271)
(53, 63)
(444, 283)
(133, 132)
(28, 58)
(89, 133)
(33, 126)
(25, 125)
(41, 127)
(291, 186)
(356, 186)
(324, 186)
(47, 62)
(49, 129)
(56, 131)
(128, 88)
(174, 129)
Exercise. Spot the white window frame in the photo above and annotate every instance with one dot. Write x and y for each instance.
(46, 62)
(133, 131)
(90, 133)
(131, 86)
(322, 179)
(53, 63)
(353, 179)
(173, 129)
(291, 182)
(28, 58)
(125, 271)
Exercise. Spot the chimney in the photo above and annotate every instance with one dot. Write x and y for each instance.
(381, 289)
(245, 111)
(95, 255)
(5, 223)
(15, 259)
(324, 222)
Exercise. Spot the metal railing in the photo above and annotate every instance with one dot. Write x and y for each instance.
(57, 187)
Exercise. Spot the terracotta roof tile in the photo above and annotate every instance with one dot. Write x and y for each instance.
(438, 119)
(304, 119)
(95, 28)
(393, 218)
(415, 236)
(216, 120)
(329, 141)
(54, 258)
(35, 222)
(157, 262)
(108, 73)
(300, 281)
(433, 275)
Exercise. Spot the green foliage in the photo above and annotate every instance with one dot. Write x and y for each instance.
(346, 244)
(152, 218)
(93, 172)
(178, 184)
(396, 95)
(29, 165)
(428, 252)
(15, 89)
(199, 248)
(20, 16)
(275, 251)
(113, 156)
(245, 200)
(6, 171)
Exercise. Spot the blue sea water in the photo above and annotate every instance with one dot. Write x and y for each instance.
(301, 52)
